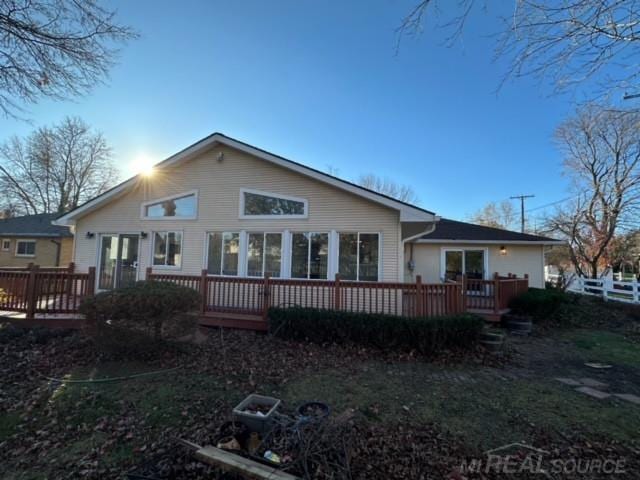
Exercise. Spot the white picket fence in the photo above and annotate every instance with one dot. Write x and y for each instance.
(607, 288)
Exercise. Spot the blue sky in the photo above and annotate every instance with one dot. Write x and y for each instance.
(319, 82)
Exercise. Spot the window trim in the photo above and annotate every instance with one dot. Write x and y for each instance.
(358, 233)
(443, 259)
(8, 247)
(144, 205)
(153, 249)
(242, 215)
(264, 252)
(26, 255)
(290, 253)
(207, 239)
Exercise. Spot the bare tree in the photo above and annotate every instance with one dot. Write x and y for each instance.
(497, 215)
(55, 49)
(565, 42)
(602, 157)
(55, 169)
(388, 187)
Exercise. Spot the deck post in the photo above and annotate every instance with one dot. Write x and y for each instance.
(336, 293)
(419, 303)
(69, 280)
(32, 294)
(463, 283)
(91, 281)
(148, 272)
(203, 290)
(265, 297)
(496, 292)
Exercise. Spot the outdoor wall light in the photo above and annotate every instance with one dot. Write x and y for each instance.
(143, 234)
(90, 235)
(503, 250)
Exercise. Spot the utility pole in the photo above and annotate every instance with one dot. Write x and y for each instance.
(521, 197)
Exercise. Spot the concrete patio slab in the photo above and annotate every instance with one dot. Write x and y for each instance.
(590, 382)
(592, 392)
(569, 381)
(629, 397)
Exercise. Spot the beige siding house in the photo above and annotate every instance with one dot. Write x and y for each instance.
(33, 239)
(236, 210)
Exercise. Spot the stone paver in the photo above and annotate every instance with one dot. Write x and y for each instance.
(629, 397)
(592, 392)
(590, 382)
(569, 381)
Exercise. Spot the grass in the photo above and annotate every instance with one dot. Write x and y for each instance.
(605, 347)
(484, 408)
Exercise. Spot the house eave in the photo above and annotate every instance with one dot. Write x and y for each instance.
(491, 242)
(408, 213)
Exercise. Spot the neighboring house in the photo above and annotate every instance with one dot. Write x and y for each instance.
(237, 210)
(34, 239)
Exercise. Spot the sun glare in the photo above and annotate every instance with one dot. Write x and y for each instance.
(142, 165)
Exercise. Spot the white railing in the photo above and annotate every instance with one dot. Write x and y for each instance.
(622, 291)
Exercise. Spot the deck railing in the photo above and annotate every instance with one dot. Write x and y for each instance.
(51, 290)
(35, 290)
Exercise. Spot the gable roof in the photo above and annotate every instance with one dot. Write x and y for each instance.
(33, 226)
(408, 212)
(452, 231)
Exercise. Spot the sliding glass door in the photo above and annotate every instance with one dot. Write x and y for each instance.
(118, 266)
(469, 262)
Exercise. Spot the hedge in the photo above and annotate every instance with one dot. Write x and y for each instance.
(541, 304)
(425, 335)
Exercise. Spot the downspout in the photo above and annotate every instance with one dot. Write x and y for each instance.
(431, 229)
(58, 248)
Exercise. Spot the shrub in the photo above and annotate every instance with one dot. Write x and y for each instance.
(137, 318)
(426, 335)
(539, 303)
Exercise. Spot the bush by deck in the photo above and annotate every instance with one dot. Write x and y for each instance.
(425, 335)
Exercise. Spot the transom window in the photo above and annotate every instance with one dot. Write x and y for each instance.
(358, 256)
(309, 255)
(167, 249)
(183, 206)
(6, 244)
(26, 248)
(223, 253)
(470, 262)
(254, 203)
(264, 254)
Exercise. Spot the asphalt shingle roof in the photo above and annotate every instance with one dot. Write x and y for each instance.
(33, 225)
(453, 230)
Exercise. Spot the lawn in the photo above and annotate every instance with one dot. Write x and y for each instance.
(411, 414)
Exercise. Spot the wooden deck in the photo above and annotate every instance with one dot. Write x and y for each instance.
(240, 321)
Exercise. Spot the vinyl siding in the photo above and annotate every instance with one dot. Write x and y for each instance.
(46, 253)
(218, 185)
(520, 259)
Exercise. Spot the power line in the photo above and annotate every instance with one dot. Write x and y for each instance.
(522, 198)
(551, 204)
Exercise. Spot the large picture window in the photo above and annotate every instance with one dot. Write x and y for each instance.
(223, 253)
(263, 204)
(184, 206)
(167, 249)
(358, 256)
(470, 262)
(309, 255)
(264, 253)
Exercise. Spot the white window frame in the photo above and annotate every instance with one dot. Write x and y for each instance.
(26, 255)
(330, 254)
(350, 232)
(264, 234)
(242, 244)
(153, 249)
(443, 256)
(144, 205)
(8, 247)
(242, 215)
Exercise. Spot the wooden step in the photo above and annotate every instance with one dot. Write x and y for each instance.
(489, 315)
(234, 320)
